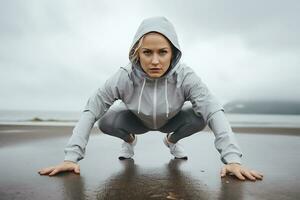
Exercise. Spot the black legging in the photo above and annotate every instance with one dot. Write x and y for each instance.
(121, 124)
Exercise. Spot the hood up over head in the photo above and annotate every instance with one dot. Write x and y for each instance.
(163, 26)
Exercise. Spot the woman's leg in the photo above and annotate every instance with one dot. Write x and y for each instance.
(121, 124)
(184, 124)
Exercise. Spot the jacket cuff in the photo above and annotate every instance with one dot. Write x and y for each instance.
(232, 158)
(71, 156)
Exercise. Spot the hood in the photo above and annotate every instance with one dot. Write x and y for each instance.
(163, 26)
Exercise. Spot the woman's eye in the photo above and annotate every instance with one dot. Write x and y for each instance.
(147, 52)
(163, 52)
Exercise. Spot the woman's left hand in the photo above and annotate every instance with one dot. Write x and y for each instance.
(241, 172)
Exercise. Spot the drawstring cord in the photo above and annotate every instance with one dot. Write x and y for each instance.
(140, 98)
(166, 97)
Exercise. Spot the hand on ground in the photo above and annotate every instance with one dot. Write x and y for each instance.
(241, 172)
(63, 167)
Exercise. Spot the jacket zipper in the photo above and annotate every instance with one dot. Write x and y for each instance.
(154, 105)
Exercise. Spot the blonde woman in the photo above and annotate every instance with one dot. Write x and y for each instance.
(153, 90)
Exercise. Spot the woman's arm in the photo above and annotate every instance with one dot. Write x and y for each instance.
(94, 109)
(206, 105)
(226, 144)
(75, 148)
(225, 141)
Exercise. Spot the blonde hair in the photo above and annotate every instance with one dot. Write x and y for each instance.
(134, 53)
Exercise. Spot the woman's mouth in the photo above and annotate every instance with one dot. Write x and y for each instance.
(155, 70)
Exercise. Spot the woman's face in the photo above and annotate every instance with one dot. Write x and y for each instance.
(155, 54)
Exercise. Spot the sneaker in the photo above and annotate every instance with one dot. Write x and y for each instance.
(127, 149)
(175, 149)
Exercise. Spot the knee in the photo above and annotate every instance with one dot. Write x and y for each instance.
(106, 124)
(196, 122)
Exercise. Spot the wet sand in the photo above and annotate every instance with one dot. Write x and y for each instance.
(152, 174)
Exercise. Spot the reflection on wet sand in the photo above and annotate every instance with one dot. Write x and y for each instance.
(159, 183)
(231, 188)
(23, 153)
(134, 182)
(74, 187)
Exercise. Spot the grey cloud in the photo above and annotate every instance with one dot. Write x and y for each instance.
(54, 52)
(269, 24)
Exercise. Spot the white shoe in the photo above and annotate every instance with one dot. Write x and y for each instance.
(175, 149)
(127, 149)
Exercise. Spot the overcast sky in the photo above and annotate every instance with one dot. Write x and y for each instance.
(55, 53)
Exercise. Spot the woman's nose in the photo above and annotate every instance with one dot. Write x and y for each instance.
(155, 59)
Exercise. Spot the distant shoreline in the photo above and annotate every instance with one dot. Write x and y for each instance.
(237, 128)
(271, 107)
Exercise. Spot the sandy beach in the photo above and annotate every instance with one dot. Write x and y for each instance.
(152, 174)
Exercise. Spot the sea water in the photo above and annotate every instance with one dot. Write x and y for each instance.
(73, 116)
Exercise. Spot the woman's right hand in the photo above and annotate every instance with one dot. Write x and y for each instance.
(63, 167)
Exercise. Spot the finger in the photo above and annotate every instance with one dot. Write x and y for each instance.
(239, 175)
(77, 169)
(257, 174)
(248, 175)
(223, 171)
(55, 171)
(46, 170)
(261, 174)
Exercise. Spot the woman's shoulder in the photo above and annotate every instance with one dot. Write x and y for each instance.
(184, 70)
(121, 74)
(126, 71)
(127, 68)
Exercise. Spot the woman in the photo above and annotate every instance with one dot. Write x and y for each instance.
(153, 89)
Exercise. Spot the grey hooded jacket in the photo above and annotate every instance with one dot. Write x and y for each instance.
(155, 100)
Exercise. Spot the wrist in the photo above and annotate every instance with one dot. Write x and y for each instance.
(69, 161)
(233, 163)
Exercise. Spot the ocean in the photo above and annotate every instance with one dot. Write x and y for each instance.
(33, 115)
(257, 120)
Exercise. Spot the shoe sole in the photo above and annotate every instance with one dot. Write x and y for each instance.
(182, 158)
(123, 158)
(166, 143)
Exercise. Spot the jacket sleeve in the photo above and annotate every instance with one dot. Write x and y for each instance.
(94, 109)
(204, 103)
(207, 106)
(225, 141)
